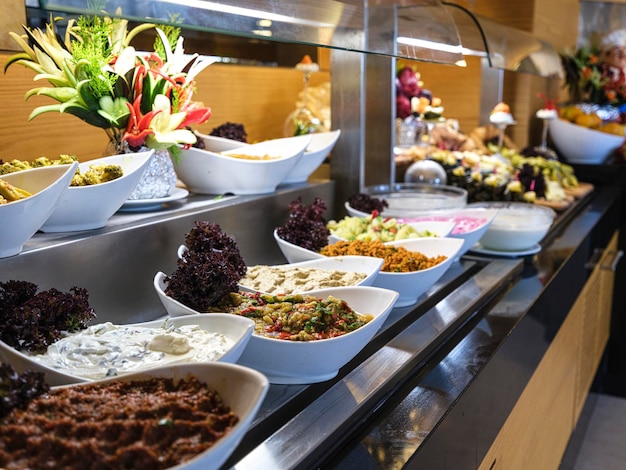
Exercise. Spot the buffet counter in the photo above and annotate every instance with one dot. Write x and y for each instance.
(436, 387)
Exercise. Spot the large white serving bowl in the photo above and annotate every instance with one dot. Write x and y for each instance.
(517, 226)
(321, 145)
(21, 219)
(413, 284)
(90, 207)
(300, 362)
(207, 172)
(469, 224)
(238, 330)
(582, 145)
(438, 228)
(242, 389)
(291, 362)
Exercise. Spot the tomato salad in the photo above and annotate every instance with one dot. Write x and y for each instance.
(297, 317)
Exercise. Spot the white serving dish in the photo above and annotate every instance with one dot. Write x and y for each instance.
(414, 199)
(411, 285)
(294, 362)
(217, 144)
(440, 228)
(21, 219)
(241, 388)
(316, 152)
(469, 224)
(579, 144)
(238, 329)
(517, 226)
(207, 172)
(90, 207)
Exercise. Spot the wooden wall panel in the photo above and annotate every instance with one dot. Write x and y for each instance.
(12, 18)
(259, 97)
(458, 88)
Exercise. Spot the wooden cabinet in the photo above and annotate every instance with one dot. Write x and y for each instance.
(538, 428)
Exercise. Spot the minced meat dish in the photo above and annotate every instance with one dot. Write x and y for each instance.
(152, 424)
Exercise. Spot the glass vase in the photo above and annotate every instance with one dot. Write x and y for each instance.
(158, 179)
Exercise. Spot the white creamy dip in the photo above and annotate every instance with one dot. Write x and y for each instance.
(106, 349)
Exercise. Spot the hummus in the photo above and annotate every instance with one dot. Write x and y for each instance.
(286, 280)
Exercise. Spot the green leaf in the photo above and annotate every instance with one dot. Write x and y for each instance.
(87, 115)
(61, 94)
(22, 56)
(88, 99)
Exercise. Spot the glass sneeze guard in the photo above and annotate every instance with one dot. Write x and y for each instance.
(425, 27)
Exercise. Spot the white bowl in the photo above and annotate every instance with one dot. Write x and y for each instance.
(579, 144)
(321, 145)
(290, 362)
(90, 207)
(469, 224)
(412, 285)
(294, 253)
(517, 226)
(241, 389)
(439, 228)
(238, 330)
(217, 144)
(21, 219)
(300, 362)
(207, 172)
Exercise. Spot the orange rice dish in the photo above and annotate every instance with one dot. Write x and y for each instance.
(397, 258)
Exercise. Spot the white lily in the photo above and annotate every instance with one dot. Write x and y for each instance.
(165, 126)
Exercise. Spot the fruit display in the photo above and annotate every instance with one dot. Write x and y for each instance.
(590, 119)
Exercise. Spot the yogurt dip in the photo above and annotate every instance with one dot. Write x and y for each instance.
(106, 349)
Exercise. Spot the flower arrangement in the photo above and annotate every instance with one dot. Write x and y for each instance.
(139, 99)
(588, 78)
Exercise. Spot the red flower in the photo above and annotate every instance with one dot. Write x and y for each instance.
(138, 128)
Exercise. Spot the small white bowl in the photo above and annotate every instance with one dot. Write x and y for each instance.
(238, 330)
(469, 224)
(207, 172)
(21, 219)
(321, 145)
(439, 228)
(579, 144)
(412, 285)
(217, 144)
(90, 207)
(517, 226)
(241, 389)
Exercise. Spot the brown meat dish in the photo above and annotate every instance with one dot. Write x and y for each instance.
(152, 424)
(397, 258)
